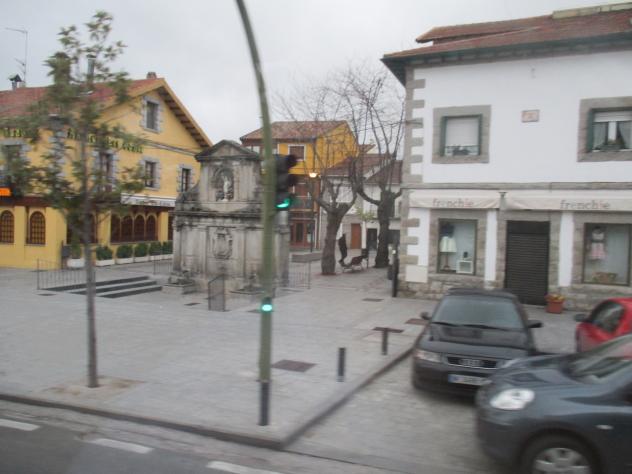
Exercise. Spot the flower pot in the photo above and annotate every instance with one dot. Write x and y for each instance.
(554, 307)
(75, 263)
(141, 259)
(121, 261)
(104, 263)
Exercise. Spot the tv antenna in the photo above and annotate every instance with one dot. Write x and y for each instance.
(26, 48)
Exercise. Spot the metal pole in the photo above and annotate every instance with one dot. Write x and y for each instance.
(395, 275)
(341, 364)
(309, 274)
(384, 341)
(38, 274)
(267, 219)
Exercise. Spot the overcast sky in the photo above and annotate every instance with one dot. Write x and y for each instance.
(199, 46)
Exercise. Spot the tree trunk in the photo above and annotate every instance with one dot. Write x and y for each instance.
(384, 220)
(328, 261)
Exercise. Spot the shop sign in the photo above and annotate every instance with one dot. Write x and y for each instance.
(5, 192)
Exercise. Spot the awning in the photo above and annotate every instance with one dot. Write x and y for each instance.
(577, 201)
(455, 199)
(143, 200)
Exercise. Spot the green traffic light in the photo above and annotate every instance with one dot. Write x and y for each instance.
(287, 202)
(266, 307)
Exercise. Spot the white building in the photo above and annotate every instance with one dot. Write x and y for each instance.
(518, 156)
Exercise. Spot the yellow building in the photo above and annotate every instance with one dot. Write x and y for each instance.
(31, 231)
(318, 145)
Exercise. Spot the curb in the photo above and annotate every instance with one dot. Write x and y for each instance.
(270, 441)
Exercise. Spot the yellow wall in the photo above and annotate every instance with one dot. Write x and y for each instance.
(171, 146)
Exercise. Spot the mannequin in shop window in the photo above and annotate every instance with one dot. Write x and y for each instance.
(597, 249)
(447, 244)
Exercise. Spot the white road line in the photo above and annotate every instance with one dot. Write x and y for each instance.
(112, 443)
(236, 468)
(17, 425)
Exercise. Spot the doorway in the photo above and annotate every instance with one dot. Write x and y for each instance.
(356, 236)
(527, 260)
(371, 239)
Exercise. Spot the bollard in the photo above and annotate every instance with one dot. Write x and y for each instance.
(341, 364)
(384, 341)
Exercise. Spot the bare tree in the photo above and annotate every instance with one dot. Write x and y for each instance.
(317, 110)
(374, 107)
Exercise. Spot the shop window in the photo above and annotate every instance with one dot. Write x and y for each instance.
(461, 136)
(127, 229)
(607, 254)
(139, 228)
(6, 227)
(150, 228)
(457, 246)
(37, 229)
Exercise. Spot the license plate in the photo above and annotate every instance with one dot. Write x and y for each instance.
(467, 379)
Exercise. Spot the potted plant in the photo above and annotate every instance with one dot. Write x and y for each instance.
(155, 251)
(140, 252)
(104, 256)
(554, 303)
(124, 254)
(76, 259)
(167, 249)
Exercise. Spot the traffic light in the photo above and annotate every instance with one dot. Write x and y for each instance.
(284, 181)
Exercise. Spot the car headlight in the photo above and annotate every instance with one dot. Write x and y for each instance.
(512, 399)
(427, 356)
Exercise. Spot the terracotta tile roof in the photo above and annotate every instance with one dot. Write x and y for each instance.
(16, 102)
(303, 130)
(396, 177)
(560, 27)
(371, 167)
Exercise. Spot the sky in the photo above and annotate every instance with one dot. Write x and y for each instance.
(199, 46)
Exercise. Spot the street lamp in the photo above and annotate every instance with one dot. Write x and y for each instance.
(312, 175)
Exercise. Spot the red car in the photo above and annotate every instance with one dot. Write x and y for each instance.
(609, 319)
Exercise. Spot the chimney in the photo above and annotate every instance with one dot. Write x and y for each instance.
(152, 75)
(16, 81)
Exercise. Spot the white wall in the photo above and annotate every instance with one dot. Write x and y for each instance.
(526, 152)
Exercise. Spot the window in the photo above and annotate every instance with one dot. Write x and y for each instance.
(150, 228)
(93, 231)
(457, 246)
(10, 154)
(139, 228)
(127, 229)
(6, 227)
(612, 130)
(607, 254)
(185, 179)
(151, 115)
(115, 228)
(605, 129)
(461, 136)
(298, 151)
(106, 169)
(170, 230)
(150, 174)
(37, 229)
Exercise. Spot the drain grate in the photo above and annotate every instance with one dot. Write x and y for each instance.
(417, 321)
(373, 300)
(378, 328)
(293, 365)
(191, 304)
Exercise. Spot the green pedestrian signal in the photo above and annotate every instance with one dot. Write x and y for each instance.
(266, 305)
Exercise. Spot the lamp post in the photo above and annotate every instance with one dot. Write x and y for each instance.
(312, 225)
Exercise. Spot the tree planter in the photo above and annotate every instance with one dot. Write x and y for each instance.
(104, 263)
(122, 261)
(141, 259)
(75, 263)
(555, 307)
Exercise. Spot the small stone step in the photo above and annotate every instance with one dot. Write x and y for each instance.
(120, 294)
(117, 287)
(98, 283)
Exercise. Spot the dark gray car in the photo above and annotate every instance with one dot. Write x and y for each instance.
(564, 414)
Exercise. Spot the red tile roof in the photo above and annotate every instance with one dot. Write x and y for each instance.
(302, 130)
(560, 27)
(371, 168)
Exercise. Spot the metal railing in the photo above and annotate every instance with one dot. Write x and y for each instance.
(216, 293)
(299, 276)
(50, 276)
(162, 267)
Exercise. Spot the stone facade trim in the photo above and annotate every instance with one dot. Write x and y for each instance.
(441, 113)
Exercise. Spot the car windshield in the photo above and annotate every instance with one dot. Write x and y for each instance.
(478, 311)
(603, 362)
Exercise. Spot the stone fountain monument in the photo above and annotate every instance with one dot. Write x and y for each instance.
(218, 228)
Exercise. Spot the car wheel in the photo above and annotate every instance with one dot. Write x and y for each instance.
(550, 454)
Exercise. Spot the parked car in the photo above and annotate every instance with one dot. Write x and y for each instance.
(609, 319)
(562, 413)
(471, 334)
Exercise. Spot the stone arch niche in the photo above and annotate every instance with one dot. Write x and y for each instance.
(217, 223)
